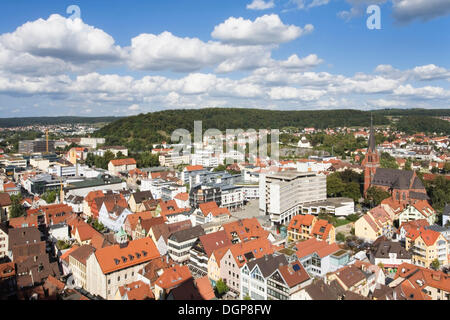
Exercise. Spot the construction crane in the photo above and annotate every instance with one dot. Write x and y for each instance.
(46, 140)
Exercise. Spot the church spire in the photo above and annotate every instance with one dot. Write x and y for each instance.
(372, 142)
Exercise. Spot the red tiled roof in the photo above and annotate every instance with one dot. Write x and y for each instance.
(246, 229)
(183, 196)
(137, 290)
(173, 277)
(65, 255)
(213, 208)
(214, 241)
(123, 162)
(19, 222)
(194, 168)
(322, 248)
(111, 259)
(301, 220)
(205, 288)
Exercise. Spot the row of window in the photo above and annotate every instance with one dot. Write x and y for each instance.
(118, 278)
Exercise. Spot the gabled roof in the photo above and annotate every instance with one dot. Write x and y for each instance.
(293, 273)
(137, 290)
(301, 220)
(141, 196)
(194, 168)
(245, 230)
(318, 290)
(214, 241)
(246, 251)
(82, 253)
(187, 234)
(267, 264)
(118, 257)
(5, 200)
(417, 278)
(65, 255)
(183, 196)
(205, 288)
(173, 277)
(213, 208)
(312, 245)
(350, 275)
(123, 162)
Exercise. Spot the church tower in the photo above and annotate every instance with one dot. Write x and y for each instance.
(372, 159)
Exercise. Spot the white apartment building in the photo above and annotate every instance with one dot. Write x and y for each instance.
(205, 158)
(174, 159)
(114, 266)
(232, 197)
(282, 194)
(3, 241)
(62, 170)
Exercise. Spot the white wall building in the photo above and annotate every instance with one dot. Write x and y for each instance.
(281, 194)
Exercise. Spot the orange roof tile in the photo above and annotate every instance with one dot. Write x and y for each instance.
(183, 196)
(123, 162)
(137, 290)
(115, 257)
(205, 288)
(312, 245)
(173, 277)
(213, 208)
(194, 168)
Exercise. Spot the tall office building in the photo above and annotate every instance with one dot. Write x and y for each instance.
(281, 194)
(35, 146)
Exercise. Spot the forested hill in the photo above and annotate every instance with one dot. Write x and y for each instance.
(19, 122)
(139, 132)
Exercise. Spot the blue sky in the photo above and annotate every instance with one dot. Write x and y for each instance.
(129, 57)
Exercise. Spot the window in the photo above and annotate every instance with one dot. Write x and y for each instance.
(118, 278)
(109, 281)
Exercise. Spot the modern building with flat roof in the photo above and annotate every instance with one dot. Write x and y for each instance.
(282, 194)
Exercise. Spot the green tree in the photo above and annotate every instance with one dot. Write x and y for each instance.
(352, 190)
(220, 167)
(435, 264)
(335, 186)
(375, 195)
(387, 161)
(447, 167)
(408, 165)
(247, 297)
(221, 287)
(352, 217)
(17, 210)
(340, 237)
(50, 196)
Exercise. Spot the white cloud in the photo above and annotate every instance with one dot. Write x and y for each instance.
(261, 5)
(134, 107)
(290, 93)
(168, 52)
(265, 30)
(383, 103)
(428, 72)
(427, 92)
(406, 11)
(61, 38)
(403, 11)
